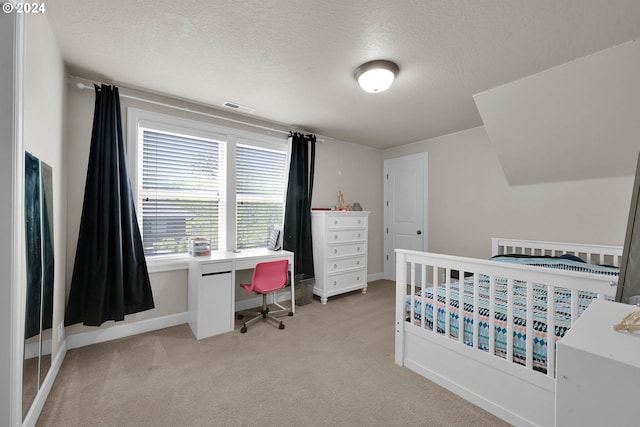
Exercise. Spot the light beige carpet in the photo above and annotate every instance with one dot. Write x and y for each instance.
(332, 366)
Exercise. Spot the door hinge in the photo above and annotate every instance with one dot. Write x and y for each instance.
(387, 176)
(387, 203)
(387, 257)
(387, 230)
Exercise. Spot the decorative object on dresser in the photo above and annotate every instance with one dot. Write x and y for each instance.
(339, 252)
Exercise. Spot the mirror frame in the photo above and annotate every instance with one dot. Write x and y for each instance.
(629, 280)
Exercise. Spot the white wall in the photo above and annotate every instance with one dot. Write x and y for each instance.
(470, 200)
(354, 169)
(357, 171)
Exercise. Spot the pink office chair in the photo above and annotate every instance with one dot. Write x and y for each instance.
(268, 277)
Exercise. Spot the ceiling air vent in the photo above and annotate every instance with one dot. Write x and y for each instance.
(238, 107)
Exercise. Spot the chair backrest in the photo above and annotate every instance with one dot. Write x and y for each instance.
(270, 276)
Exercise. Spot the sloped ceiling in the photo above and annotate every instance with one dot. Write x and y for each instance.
(579, 120)
(293, 61)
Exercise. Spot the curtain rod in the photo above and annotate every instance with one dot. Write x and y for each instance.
(83, 86)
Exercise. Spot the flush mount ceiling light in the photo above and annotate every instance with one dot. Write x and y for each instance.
(376, 76)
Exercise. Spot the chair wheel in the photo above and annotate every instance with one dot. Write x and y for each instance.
(243, 329)
(281, 326)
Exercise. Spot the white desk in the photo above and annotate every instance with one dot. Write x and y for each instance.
(598, 370)
(212, 287)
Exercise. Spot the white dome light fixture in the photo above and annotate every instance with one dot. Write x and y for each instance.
(376, 76)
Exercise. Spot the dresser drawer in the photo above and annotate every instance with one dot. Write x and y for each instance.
(347, 235)
(344, 250)
(344, 280)
(345, 264)
(347, 221)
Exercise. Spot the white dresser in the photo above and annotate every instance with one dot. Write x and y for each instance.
(339, 252)
(598, 370)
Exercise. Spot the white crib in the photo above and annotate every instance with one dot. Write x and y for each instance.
(520, 394)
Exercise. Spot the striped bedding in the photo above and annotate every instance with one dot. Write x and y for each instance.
(562, 315)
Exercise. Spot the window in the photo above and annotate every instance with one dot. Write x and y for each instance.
(181, 190)
(259, 193)
(194, 179)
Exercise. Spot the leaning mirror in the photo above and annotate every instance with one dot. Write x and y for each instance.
(38, 203)
(629, 281)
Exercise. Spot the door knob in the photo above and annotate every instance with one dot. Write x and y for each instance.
(419, 232)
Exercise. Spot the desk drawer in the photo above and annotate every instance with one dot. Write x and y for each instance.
(344, 250)
(345, 264)
(216, 267)
(249, 264)
(347, 221)
(347, 235)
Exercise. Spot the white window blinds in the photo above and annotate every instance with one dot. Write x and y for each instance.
(260, 187)
(181, 185)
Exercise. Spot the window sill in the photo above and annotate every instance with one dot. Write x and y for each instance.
(167, 263)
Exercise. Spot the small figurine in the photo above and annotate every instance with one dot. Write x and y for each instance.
(340, 200)
(629, 323)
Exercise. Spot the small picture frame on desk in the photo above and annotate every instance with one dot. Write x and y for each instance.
(275, 239)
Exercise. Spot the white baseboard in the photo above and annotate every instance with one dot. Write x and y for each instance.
(121, 331)
(38, 403)
(32, 349)
(374, 277)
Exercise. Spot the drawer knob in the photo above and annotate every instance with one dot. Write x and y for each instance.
(358, 262)
(335, 265)
(358, 249)
(335, 283)
(335, 237)
(358, 278)
(335, 221)
(335, 251)
(359, 221)
(358, 234)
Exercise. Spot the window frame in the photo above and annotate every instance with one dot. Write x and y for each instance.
(267, 147)
(230, 136)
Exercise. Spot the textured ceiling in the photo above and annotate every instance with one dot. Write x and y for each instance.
(293, 61)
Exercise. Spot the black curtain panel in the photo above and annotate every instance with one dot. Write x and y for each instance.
(297, 216)
(110, 277)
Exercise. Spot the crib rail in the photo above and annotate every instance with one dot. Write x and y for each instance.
(419, 274)
(593, 254)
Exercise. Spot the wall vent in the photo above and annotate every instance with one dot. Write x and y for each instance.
(238, 107)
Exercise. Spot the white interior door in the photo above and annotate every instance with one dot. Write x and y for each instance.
(405, 218)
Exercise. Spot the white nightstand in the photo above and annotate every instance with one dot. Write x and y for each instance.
(598, 370)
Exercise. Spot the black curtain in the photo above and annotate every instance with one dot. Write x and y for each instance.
(297, 214)
(110, 277)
